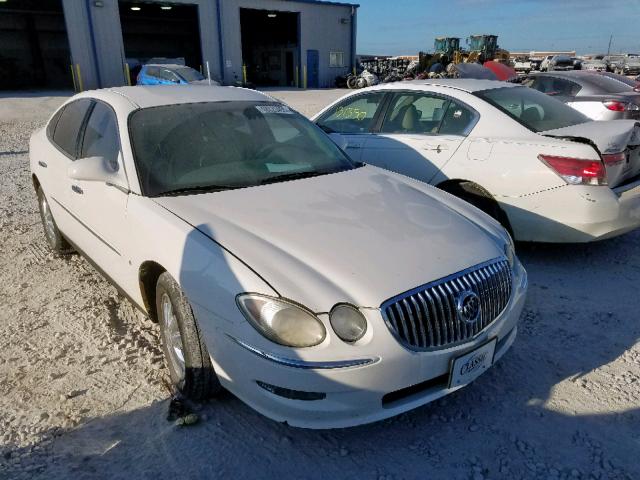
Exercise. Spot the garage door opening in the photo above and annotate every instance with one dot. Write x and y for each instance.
(160, 33)
(35, 45)
(270, 46)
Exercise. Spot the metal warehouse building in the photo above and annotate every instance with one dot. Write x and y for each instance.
(100, 43)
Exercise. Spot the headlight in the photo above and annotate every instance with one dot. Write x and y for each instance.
(281, 321)
(510, 250)
(348, 322)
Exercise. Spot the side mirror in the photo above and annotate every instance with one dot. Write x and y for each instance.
(97, 169)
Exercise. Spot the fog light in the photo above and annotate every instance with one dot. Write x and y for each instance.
(348, 322)
(292, 394)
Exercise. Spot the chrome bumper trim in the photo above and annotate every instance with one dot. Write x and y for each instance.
(295, 363)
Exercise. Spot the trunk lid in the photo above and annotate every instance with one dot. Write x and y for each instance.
(608, 137)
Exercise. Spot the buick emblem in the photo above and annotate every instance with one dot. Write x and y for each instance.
(468, 306)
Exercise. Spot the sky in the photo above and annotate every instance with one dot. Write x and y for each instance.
(405, 27)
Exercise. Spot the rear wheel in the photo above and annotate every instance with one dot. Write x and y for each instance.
(54, 238)
(185, 352)
(480, 198)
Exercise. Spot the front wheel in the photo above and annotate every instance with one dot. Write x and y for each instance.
(186, 354)
(54, 237)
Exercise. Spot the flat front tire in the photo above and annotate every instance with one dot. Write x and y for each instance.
(57, 243)
(186, 354)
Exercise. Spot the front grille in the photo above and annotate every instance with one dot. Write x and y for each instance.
(427, 317)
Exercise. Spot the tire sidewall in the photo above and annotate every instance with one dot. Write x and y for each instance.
(200, 380)
(55, 242)
(165, 287)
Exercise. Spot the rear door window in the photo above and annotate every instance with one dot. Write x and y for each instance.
(419, 113)
(458, 120)
(354, 115)
(101, 135)
(415, 113)
(68, 127)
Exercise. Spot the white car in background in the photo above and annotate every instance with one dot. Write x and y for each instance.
(542, 169)
(320, 291)
(522, 65)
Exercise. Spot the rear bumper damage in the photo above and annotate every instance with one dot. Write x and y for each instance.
(574, 213)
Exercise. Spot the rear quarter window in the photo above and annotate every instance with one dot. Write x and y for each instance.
(67, 128)
(51, 127)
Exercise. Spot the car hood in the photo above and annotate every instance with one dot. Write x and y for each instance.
(360, 236)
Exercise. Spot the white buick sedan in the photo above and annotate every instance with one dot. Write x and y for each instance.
(545, 171)
(320, 291)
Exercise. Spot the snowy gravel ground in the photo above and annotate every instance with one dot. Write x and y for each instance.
(83, 385)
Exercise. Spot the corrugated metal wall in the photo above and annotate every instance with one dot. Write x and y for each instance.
(321, 28)
(95, 37)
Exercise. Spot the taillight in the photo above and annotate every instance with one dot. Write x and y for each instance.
(577, 171)
(611, 159)
(615, 106)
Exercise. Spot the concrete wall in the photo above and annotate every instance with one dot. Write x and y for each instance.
(95, 37)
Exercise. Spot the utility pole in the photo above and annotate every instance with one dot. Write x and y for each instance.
(609, 48)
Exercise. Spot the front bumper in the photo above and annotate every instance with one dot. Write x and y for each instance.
(395, 379)
(574, 213)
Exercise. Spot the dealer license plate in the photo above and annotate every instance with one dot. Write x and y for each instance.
(471, 365)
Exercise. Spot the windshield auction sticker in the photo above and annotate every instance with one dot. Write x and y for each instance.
(273, 109)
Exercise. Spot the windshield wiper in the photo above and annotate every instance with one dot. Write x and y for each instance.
(298, 175)
(327, 129)
(198, 189)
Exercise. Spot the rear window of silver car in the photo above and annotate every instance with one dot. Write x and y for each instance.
(227, 145)
(533, 109)
(607, 85)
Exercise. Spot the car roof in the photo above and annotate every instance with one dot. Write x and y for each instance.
(469, 85)
(566, 73)
(579, 76)
(166, 65)
(145, 96)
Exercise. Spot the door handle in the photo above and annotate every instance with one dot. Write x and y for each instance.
(77, 189)
(354, 145)
(42, 164)
(437, 148)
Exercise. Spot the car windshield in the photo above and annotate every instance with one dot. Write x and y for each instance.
(189, 74)
(190, 148)
(535, 110)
